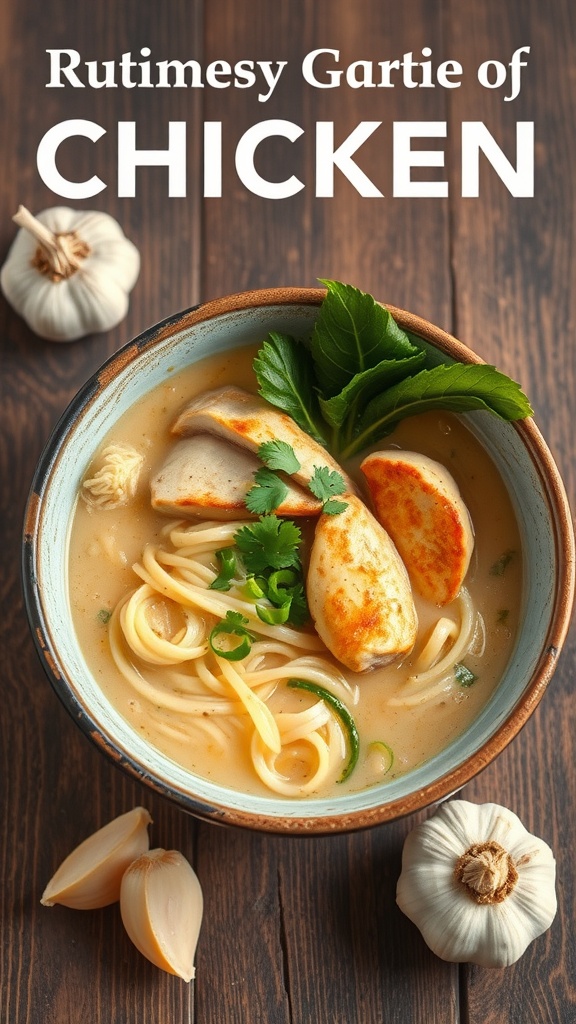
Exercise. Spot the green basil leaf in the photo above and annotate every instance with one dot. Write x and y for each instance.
(460, 387)
(353, 333)
(285, 376)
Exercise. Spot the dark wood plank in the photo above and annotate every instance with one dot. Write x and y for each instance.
(59, 964)
(514, 302)
(374, 243)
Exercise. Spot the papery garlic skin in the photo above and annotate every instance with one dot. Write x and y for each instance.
(91, 874)
(431, 893)
(94, 297)
(161, 903)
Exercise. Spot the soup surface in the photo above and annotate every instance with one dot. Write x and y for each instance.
(394, 735)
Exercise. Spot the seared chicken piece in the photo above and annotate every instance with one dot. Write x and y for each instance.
(206, 476)
(358, 590)
(249, 421)
(418, 502)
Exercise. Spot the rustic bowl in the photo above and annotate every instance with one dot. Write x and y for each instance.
(521, 456)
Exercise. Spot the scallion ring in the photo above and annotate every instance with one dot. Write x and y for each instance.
(232, 625)
(274, 616)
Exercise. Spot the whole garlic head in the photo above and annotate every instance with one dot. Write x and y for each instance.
(68, 272)
(477, 884)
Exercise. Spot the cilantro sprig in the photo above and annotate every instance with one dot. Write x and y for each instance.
(361, 374)
(326, 484)
(265, 563)
(269, 543)
(270, 490)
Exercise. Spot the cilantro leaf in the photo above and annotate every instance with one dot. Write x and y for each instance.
(326, 483)
(353, 333)
(333, 507)
(268, 492)
(285, 374)
(279, 455)
(269, 543)
(227, 561)
(299, 611)
(459, 387)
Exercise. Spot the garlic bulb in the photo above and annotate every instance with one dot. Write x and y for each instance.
(161, 905)
(475, 882)
(90, 876)
(68, 272)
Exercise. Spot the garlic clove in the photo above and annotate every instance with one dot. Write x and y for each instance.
(90, 876)
(161, 904)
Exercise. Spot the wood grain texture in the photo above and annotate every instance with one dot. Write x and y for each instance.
(295, 930)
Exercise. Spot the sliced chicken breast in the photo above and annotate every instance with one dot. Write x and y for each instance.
(358, 590)
(206, 476)
(247, 420)
(418, 502)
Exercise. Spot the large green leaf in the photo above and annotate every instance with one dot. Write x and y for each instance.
(366, 385)
(456, 388)
(353, 333)
(284, 371)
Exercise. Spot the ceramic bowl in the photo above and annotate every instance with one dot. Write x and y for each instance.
(517, 449)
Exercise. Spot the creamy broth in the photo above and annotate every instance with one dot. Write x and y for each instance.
(105, 543)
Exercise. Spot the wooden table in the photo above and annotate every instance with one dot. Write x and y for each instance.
(302, 930)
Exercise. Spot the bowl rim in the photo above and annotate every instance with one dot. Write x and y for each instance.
(440, 788)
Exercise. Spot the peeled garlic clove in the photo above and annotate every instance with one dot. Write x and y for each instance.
(90, 876)
(161, 905)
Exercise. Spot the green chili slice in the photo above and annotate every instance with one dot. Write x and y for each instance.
(343, 714)
(233, 625)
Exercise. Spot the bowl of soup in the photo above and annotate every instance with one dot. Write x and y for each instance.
(227, 651)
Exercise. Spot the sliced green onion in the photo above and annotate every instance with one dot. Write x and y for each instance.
(343, 714)
(232, 625)
(274, 616)
(279, 583)
(227, 560)
(252, 588)
(464, 676)
(386, 753)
